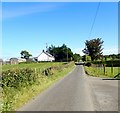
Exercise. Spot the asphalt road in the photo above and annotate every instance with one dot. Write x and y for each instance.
(77, 92)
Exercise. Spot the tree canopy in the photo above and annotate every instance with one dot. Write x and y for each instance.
(62, 53)
(76, 57)
(25, 54)
(94, 48)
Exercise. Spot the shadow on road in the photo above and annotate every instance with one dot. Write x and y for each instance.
(110, 79)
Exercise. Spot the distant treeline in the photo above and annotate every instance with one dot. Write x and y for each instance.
(109, 63)
(63, 53)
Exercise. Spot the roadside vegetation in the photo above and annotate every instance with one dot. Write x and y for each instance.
(22, 82)
(97, 64)
(100, 72)
(107, 69)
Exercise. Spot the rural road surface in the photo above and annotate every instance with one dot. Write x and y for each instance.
(77, 92)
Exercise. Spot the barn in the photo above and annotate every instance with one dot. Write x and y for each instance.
(45, 56)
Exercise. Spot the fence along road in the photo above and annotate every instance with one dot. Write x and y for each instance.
(76, 92)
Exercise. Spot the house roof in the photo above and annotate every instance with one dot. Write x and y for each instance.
(46, 54)
(13, 59)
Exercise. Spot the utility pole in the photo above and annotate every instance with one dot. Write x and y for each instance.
(46, 47)
(67, 54)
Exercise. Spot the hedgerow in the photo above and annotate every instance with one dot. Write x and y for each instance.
(16, 81)
(18, 78)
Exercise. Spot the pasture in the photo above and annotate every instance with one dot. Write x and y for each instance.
(41, 65)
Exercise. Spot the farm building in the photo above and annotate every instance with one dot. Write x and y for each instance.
(13, 61)
(45, 56)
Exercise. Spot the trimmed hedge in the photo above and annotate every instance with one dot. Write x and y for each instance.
(110, 63)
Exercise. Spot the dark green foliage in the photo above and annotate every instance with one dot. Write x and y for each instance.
(62, 53)
(17, 78)
(86, 58)
(25, 54)
(88, 64)
(47, 71)
(83, 58)
(111, 57)
(76, 57)
(110, 63)
(94, 48)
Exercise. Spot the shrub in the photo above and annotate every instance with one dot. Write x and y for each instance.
(110, 63)
(17, 78)
(88, 64)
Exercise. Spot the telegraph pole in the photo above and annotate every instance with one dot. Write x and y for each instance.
(46, 47)
(67, 54)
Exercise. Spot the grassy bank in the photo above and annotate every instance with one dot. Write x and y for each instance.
(99, 71)
(41, 65)
(14, 98)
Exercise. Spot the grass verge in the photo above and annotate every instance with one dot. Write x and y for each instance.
(99, 72)
(14, 98)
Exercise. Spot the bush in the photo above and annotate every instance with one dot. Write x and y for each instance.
(110, 63)
(18, 77)
(88, 64)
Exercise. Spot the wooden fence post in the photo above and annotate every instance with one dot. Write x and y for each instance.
(112, 69)
(104, 68)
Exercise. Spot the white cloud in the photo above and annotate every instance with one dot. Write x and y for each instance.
(21, 10)
(106, 51)
(78, 51)
(111, 50)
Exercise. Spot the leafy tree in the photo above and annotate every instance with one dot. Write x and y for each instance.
(83, 58)
(118, 56)
(25, 54)
(113, 56)
(76, 57)
(86, 58)
(62, 53)
(106, 57)
(94, 48)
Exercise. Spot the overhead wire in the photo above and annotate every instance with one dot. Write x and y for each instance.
(94, 19)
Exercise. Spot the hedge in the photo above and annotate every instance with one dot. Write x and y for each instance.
(110, 63)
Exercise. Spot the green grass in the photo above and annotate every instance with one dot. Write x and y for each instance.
(99, 71)
(18, 98)
(31, 65)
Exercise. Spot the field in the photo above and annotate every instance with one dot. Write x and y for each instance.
(31, 65)
(15, 97)
(99, 71)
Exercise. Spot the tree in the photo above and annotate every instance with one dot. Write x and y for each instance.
(86, 58)
(25, 54)
(94, 48)
(76, 57)
(62, 53)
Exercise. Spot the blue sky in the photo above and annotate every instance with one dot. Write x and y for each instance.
(30, 25)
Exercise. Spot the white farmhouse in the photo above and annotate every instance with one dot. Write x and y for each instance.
(45, 56)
